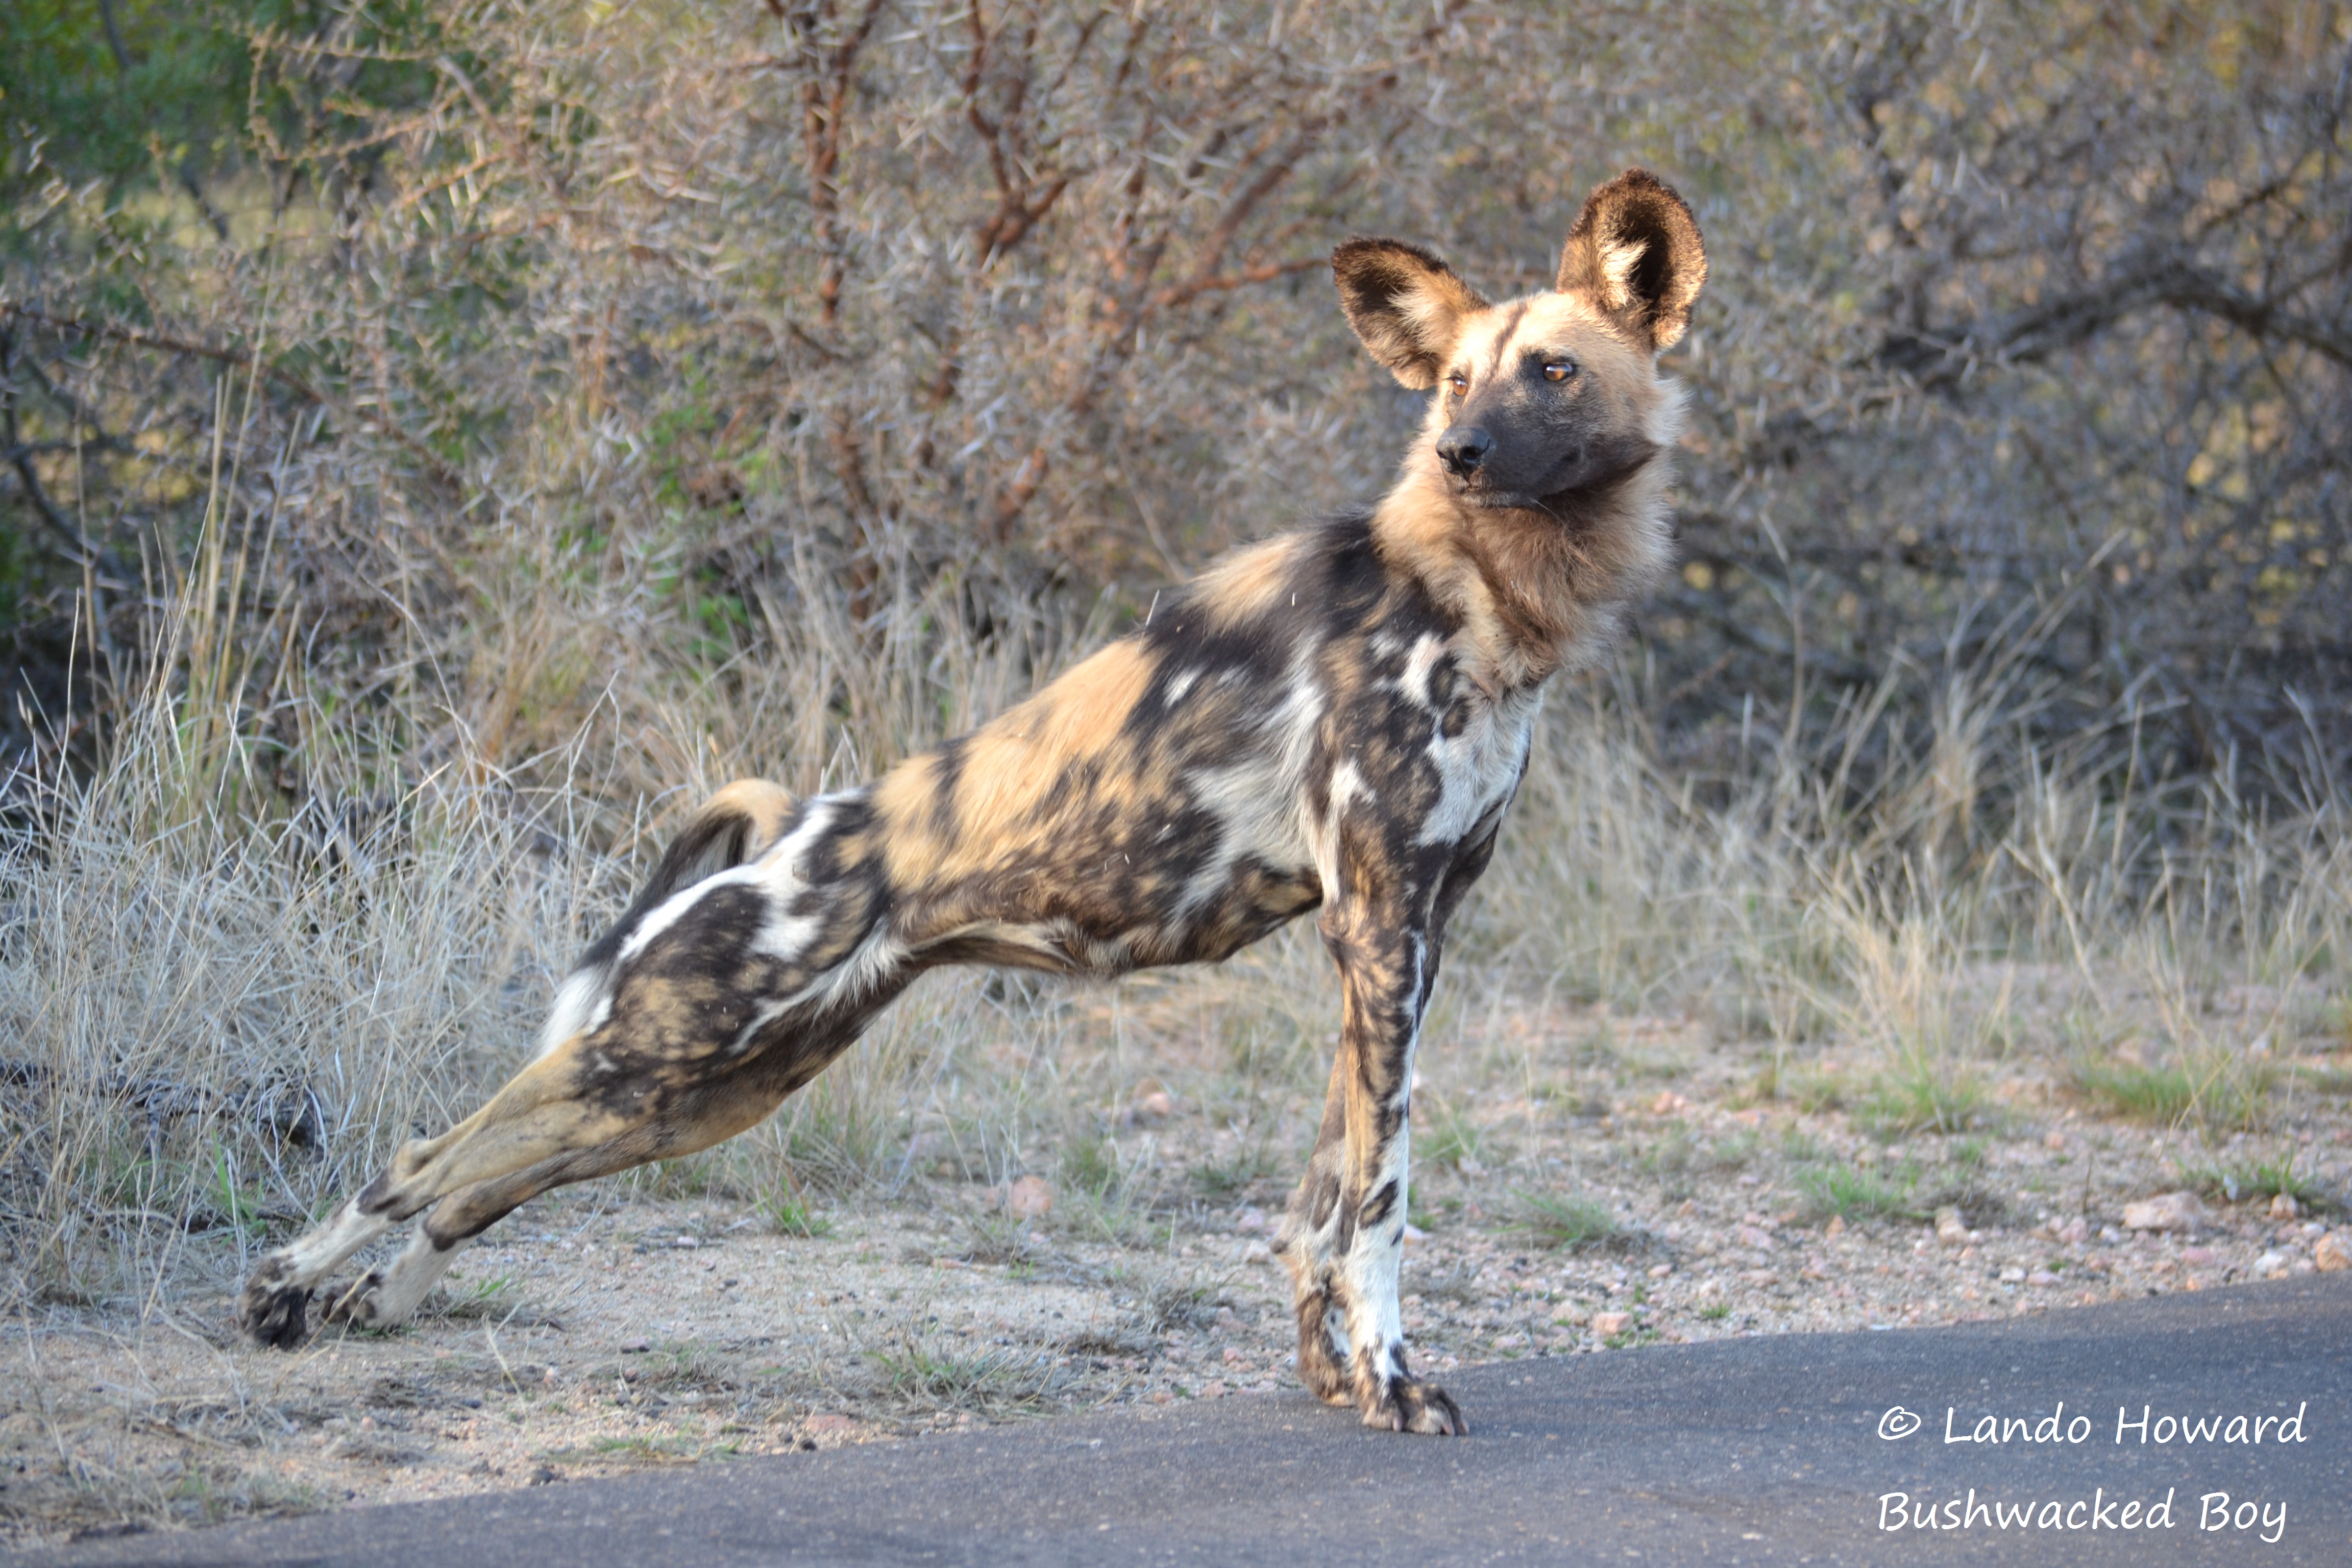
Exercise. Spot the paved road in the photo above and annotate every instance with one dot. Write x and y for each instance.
(1753, 1451)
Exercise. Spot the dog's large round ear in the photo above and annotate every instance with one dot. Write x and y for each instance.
(1405, 304)
(1636, 252)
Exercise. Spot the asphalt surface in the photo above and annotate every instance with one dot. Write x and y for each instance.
(1748, 1451)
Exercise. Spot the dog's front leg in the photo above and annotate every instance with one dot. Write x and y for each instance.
(1344, 1236)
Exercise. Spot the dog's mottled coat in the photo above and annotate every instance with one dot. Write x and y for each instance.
(1335, 720)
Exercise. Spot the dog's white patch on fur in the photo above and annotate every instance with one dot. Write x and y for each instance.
(582, 1003)
(390, 1297)
(1663, 423)
(1418, 667)
(314, 1257)
(777, 864)
(1479, 769)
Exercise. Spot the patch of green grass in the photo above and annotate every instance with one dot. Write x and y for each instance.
(995, 1380)
(2334, 1081)
(1808, 1089)
(1800, 1145)
(1715, 1312)
(1093, 1166)
(1175, 1301)
(1558, 1221)
(789, 1215)
(2242, 1179)
(1104, 1196)
(1225, 1179)
(1921, 1094)
(2213, 1087)
(1451, 1137)
(1855, 1191)
(2161, 1095)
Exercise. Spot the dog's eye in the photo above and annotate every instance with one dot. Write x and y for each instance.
(1457, 383)
(1559, 370)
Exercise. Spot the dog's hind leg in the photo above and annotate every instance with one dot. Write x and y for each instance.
(540, 1134)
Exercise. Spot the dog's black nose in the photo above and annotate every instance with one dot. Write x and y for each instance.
(1463, 449)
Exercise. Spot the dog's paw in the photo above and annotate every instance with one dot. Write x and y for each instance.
(1409, 1405)
(1322, 1366)
(273, 1311)
(363, 1305)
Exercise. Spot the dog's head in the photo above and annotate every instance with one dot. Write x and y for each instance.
(1540, 399)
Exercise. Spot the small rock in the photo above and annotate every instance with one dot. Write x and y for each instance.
(1608, 1325)
(635, 1347)
(2270, 1263)
(1756, 1237)
(1836, 1226)
(1661, 1270)
(1251, 1220)
(1213, 1389)
(2042, 1276)
(1950, 1229)
(1469, 1166)
(1156, 1104)
(2332, 1254)
(2012, 1275)
(1667, 1103)
(1257, 1252)
(1233, 1357)
(2167, 1211)
(829, 1426)
(2195, 1254)
(2054, 1141)
(2075, 1232)
(2283, 1206)
(1029, 1198)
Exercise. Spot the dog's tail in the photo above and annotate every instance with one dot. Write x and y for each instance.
(734, 825)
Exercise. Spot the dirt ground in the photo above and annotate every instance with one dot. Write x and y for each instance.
(1664, 1199)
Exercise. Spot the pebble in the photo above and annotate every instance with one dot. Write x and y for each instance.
(1950, 1229)
(2332, 1255)
(2166, 1211)
(1029, 1198)
(1610, 1324)
(2283, 1206)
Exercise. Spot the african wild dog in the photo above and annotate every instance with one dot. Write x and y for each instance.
(1334, 718)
